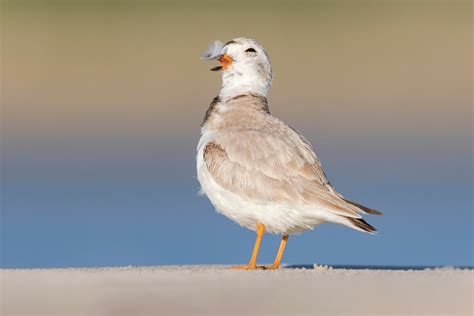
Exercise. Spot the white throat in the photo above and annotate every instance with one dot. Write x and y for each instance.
(236, 83)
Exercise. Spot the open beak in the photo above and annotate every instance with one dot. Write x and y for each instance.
(225, 61)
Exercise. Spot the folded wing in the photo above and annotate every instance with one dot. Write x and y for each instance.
(274, 163)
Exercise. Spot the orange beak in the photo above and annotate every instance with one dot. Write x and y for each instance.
(225, 61)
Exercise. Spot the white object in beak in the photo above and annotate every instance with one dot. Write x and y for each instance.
(213, 51)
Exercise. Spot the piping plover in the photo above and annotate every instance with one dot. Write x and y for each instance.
(255, 169)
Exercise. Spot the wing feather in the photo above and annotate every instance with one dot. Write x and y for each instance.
(272, 162)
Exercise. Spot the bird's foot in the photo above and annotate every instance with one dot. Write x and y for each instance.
(270, 267)
(254, 267)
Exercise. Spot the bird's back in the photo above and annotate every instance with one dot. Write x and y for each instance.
(253, 155)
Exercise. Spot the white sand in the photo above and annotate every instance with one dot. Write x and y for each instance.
(214, 290)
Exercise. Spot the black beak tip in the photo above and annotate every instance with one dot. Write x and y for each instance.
(216, 68)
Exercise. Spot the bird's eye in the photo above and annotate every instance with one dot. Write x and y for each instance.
(250, 50)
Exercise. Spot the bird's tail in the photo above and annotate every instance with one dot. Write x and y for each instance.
(353, 220)
(363, 208)
(361, 225)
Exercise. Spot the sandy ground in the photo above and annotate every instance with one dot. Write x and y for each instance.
(215, 290)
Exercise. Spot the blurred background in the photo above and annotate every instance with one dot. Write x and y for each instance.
(101, 109)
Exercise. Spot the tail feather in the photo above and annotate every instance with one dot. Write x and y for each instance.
(364, 208)
(362, 225)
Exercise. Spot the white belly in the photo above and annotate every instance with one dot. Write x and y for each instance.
(278, 219)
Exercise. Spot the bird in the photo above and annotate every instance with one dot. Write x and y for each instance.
(255, 169)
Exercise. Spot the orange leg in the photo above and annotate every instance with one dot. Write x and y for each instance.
(276, 263)
(253, 260)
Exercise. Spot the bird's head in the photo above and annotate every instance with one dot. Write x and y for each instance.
(245, 67)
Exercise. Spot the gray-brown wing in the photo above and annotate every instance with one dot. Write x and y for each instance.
(272, 164)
